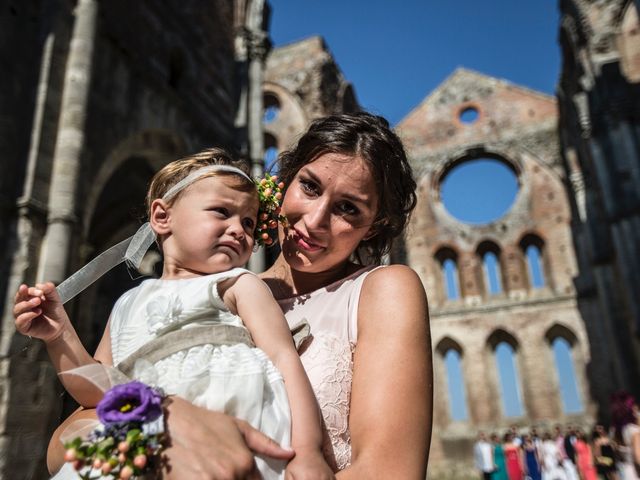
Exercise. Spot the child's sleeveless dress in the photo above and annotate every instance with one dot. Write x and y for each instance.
(236, 379)
(327, 357)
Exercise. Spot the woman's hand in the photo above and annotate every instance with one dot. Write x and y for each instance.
(206, 444)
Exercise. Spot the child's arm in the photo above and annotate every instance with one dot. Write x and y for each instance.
(39, 313)
(251, 299)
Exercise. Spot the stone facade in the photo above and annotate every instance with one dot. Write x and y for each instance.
(599, 100)
(518, 127)
(303, 82)
(100, 96)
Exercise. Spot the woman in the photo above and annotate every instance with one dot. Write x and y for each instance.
(604, 453)
(624, 414)
(551, 459)
(532, 459)
(513, 457)
(585, 457)
(349, 193)
(500, 473)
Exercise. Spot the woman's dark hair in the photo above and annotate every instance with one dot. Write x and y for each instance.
(371, 138)
(621, 411)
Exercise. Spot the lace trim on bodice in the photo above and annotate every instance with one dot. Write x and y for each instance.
(329, 363)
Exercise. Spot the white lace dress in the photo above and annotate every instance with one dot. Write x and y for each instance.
(332, 314)
(236, 379)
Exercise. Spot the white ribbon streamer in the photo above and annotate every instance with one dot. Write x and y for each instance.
(132, 249)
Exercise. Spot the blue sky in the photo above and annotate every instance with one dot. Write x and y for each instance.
(396, 53)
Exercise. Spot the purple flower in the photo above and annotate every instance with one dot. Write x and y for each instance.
(130, 402)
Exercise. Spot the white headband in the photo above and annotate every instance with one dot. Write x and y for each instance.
(132, 249)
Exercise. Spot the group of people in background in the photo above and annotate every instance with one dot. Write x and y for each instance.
(566, 453)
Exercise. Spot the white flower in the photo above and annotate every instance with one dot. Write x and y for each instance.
(163, 312)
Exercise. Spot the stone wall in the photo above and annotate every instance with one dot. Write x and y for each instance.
(517, 127)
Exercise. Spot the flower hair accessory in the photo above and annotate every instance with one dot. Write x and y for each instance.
(126, 442)
(270, 194)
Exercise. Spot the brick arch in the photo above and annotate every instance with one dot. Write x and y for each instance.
(448, 343)
(157, 147)
(558, 330)
(292, 119)
(500, 335)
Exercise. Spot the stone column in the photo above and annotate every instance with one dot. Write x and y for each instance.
(70, 140)
(258, 47)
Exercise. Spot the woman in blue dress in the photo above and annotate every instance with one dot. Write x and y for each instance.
(532, 459)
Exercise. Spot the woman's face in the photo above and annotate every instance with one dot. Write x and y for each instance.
(330, 205)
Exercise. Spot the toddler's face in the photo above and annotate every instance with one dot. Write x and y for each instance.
(212, 226)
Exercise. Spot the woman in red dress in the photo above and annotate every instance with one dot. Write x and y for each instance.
(513, 457)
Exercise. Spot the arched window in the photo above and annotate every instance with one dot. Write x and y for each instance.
(509, 383)
(455, 382)
(504, 347)
(489, 252)
(451, 354)
(270, 154)
(450, 271)
(534, 264)
(566, 375)
(532, 247)
(271, 108)
(449, 265)
(562, 341)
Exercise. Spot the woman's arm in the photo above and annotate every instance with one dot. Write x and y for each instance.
(391, 398)
(263, 317)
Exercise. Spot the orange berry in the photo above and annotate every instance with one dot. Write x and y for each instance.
(273, 224)
(281, 185)
(122, 458)
(97, 463)
(106, 468)
(268, 241)
(263, 181)
(274, 178)
(278, 196)
(264, 216)
(70, 455)
(267, 192)
(126, 473)
(263, 226)
(140, 461)
(264, 236)
(123, 447)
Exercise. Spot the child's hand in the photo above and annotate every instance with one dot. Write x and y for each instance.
(39, 312)
(308, 465)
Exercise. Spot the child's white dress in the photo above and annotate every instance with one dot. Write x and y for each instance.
(237, 379)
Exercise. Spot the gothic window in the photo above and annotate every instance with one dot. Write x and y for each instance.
(489, 252)
(534, 263)
(492, 272)
(457, 403)
(505, 350)
(270, 154)
(271, 108)
(562, 342)
(451, 354)
(448, 260)
(532, 247)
